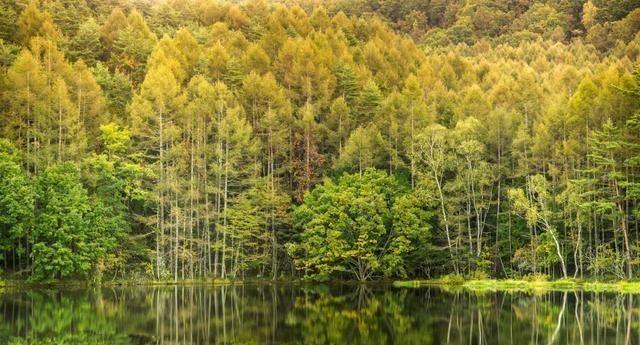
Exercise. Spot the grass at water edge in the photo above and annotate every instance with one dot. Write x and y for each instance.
(632, 287)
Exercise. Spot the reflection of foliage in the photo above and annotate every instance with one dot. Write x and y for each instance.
(330, 314)
(64, 319)
(361, 317)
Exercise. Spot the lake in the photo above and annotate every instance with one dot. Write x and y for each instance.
(334, 314)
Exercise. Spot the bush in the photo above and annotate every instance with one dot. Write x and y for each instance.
(480, 275)
(536, 277)
(452, 279)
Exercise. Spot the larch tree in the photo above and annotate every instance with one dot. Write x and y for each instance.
(153, 112)
(35, 23)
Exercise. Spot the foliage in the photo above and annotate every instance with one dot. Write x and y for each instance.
(501, 138)
(16, 200)
(362, 225)
(70, 235)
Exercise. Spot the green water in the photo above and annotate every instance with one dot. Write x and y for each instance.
(337, 314)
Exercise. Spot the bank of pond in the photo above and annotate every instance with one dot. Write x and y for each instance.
(447, 282)
(453, 282)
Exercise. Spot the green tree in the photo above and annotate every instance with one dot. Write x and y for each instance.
(16, 206)
(369, 102)
(113, 184)
(69, 236)
(536, 206)
(86, 44)
(348, 226)
(433, 162)
(607, 151)
(8, 19)
(116, 87)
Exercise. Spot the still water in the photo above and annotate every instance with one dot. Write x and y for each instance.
(337, 314)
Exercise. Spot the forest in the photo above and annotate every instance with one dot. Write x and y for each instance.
(172, 140)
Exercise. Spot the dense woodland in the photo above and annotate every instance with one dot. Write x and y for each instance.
(345, 139)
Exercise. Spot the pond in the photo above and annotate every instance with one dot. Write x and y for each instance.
(333, 314)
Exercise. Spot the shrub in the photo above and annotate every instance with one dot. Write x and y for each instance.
(452, 279)
(536, 277)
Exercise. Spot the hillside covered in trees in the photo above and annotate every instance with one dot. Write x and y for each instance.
(345, 139)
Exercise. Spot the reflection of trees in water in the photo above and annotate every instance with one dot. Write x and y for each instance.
(55, 318)
(550, 318)
(221, 315)
(362, 314)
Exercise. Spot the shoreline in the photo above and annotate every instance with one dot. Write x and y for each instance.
(517, 285)
(477, 285)
(17, 284)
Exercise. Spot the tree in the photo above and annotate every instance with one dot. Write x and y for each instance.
(69, 235)
(88, 99)
(369, 102)
(305, 158)
(269, 113)
(432, 156)
(338, 125)
(86, 44)
(348, 226)
(256, 217)
(418, 117)
(16, 207)
(476, 175)
(113, 184)
(536, 207)
(346, 83)
(412, 218)
(542, 19)
(257, 59)
(33, 22)
(364, 149)
(133, 46)
(237, 170)
(69, 135)
(113, 25)
(27, 101)
(153, 112)
(303, 68)
(68, 14)
(608, 156)
(589, 11)
(116, 87)
(8, 19)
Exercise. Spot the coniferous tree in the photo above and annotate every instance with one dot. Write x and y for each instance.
(34, 22)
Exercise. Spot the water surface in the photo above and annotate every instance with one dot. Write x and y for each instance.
(336, 314)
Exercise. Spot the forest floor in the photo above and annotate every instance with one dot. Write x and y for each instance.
(514, 285)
